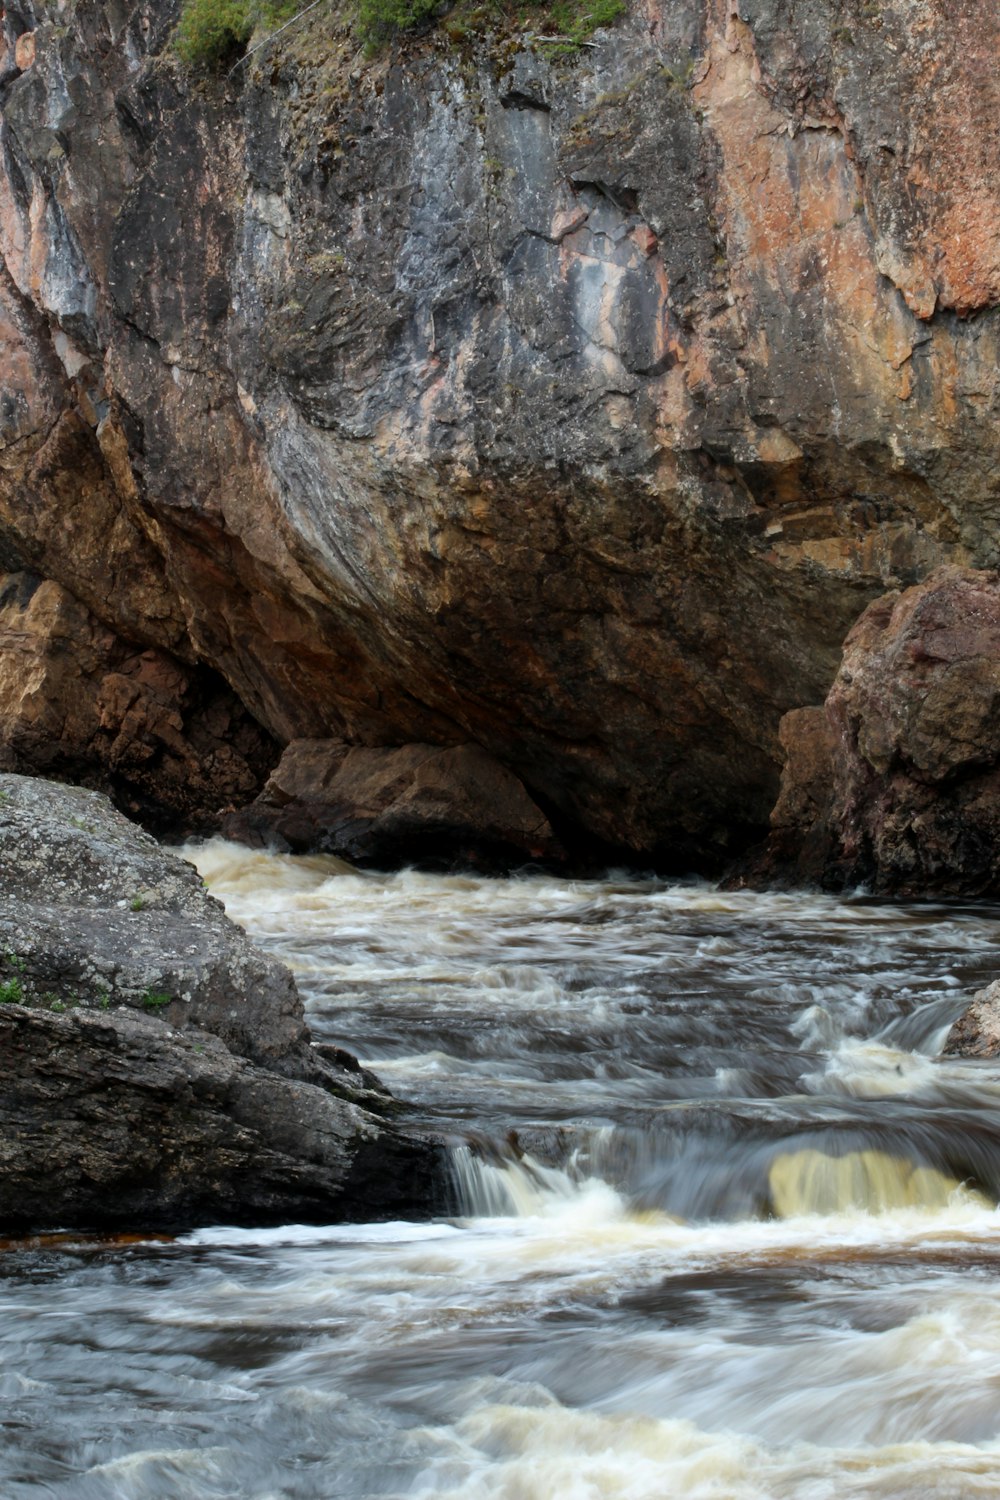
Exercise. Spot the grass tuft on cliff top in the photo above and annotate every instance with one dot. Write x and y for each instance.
(211, 33)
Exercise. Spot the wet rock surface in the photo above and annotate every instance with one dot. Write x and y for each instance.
(157, 1066)
(419, 803)
(110, 1120)
(573, 408)
(976, 1033)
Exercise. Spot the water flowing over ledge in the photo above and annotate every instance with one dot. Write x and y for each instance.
(724, 1219)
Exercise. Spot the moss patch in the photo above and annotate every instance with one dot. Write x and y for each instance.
(212, 33)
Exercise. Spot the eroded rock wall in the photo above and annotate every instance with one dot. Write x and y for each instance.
(168, 739)
(572, 408)
(894, 782)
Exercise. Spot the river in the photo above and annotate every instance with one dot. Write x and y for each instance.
(723, 1221)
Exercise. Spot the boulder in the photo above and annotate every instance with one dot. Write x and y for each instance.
(415, 803)
(114, 1120)
(976, 1033)
(895, 781)
(158, 1069)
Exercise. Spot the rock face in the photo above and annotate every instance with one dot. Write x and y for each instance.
(170, 741)
(157, 1069)
(384, 807)
(896, 780)
(572, 408)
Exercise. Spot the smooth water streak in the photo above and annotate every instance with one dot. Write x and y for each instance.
(724, 1219)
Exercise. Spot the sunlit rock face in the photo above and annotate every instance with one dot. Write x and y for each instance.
(574, 409)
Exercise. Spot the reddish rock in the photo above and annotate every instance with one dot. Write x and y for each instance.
(908, 746)
(392, 806)
(171, 742)
(24, 50)
(916, 712)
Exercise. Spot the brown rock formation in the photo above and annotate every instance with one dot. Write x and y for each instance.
(386, 807)
(571, 408)
(896, 781)
(170, 741)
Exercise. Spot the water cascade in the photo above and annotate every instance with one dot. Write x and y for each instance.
(723, 1223)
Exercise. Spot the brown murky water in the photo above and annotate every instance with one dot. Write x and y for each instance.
(747, 1248)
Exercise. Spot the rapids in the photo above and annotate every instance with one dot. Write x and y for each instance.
(723, 1220)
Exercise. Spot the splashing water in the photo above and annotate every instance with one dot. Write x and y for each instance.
(724, 1220)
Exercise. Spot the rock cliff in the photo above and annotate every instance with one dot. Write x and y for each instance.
(571, 407)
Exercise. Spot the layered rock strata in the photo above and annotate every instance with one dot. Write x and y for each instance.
(157, 1069)
(570, 407)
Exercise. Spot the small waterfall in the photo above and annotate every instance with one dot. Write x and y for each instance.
(518, 1186)
(813, 1182)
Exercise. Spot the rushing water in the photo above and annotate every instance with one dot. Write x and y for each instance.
(724, 1221)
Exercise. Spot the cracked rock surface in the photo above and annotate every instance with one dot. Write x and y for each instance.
(895, 781)
(570, 408)
(157, 1070)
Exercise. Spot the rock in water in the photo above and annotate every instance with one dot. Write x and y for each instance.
(895, 781)
(157, 1067)
(976, 1033)
(384, 807)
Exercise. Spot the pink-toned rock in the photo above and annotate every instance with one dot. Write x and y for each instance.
(24, 51)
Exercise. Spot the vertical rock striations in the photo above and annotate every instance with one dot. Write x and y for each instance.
(571, 408)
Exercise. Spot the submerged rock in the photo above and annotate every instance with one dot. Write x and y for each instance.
(456, 806)
(895, 782)
(157, 1066)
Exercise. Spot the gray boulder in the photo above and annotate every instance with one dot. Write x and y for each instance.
(976, 1033)
(158, 1068)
